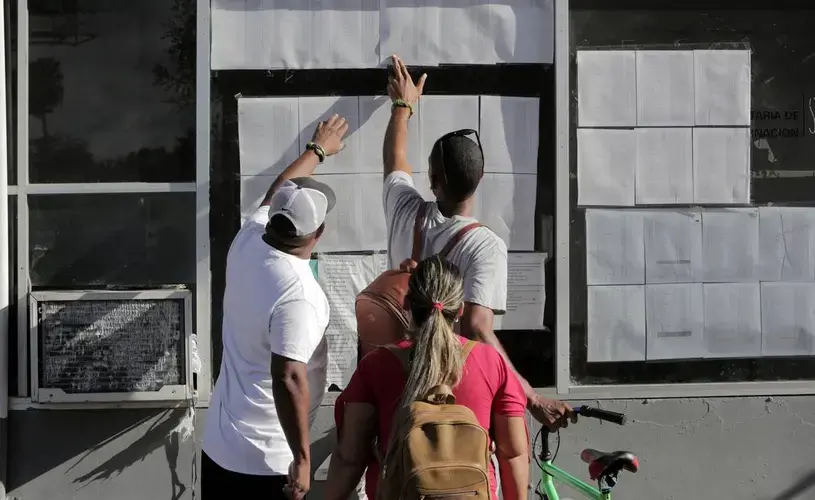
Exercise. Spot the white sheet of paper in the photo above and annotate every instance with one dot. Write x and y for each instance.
(269, 34)
(606, 88)
(722, 87)
(732, 320)
(721, 166)
(673, 246)
(253, 189)
(313, 110)
(674, 321)
(374, 115)
(443, 114)
(606, 166)
(411, 30)
(356, 224)
(730, 250)
(616, 323)
(526, 293)
(664, 88)
(506, 204)
(509, 134)
(614, 247)
(787, 319)
(517, 31)
(342, 277)
(268, 133)
(787, 243)
(664, 166)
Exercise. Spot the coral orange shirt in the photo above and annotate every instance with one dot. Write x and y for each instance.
(488, 387)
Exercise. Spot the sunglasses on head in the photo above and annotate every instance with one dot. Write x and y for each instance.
(457, 133)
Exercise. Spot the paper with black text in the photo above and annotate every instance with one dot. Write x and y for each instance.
(606, 167)
(732, 320)
(665, 88)
(664, 166)
(730, 245)
(526, 293)
(253, 189)
(443, 114)
(787, 243)
(674, 321)
(673, 246)
(721, 166)
(268, 133)
(356, 224)
(506, 204)
(614, 247)
(374, 115)
(722, 87)
(509, 134)
(606, 88)
(787, 319)
(616, 323)
(270, 34)
(342, 277)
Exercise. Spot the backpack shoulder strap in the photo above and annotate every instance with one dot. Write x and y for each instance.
(466, 349)
(457, 238)
(418, 224)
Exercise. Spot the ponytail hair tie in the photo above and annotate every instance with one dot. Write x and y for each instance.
(438, 306)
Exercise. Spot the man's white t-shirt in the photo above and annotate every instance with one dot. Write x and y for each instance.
(481, 255)
(272, 304)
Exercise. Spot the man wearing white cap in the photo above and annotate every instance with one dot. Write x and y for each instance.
(273, 371)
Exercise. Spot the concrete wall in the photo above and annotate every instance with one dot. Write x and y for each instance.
(738, 448)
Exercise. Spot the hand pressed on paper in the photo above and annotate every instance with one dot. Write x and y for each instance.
(552, 413)
(329, 134)
(401, 86)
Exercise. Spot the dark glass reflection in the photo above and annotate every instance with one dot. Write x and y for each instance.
(112, 239)
(112, 91)
(10, 8)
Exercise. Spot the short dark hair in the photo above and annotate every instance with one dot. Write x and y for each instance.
(463, 164)
(281, 234)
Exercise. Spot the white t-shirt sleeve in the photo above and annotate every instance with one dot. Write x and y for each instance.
(294, 330)
(258, 219)
(485, 282)
(400, 198)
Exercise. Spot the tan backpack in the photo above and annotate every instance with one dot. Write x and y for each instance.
(438, 449)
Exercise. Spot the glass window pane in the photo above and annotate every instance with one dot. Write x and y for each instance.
(12, 310)
(10, 7)
(112, 91)
(112, 239)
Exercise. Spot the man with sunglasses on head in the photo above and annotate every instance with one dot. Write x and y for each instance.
(456, 168)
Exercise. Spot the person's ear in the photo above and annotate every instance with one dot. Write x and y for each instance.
(460, 311)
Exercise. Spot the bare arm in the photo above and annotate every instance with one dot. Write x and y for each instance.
(477, 323)
(401, 88)
(512, 451)
(328, 135)
(394, 149)
(352, 452)
(291, 397)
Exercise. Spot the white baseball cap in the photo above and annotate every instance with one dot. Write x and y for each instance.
(305, 202)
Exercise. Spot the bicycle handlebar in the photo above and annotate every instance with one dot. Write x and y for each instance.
(600, 414)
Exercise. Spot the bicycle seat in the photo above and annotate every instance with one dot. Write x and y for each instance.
(601, 463)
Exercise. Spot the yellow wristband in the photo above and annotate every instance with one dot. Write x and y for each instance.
(399, 103)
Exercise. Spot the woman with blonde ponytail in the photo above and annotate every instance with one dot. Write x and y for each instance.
(380, 386)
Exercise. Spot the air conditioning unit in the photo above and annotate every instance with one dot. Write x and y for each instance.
(111, 346)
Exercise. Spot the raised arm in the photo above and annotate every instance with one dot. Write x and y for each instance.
(405, 96)
(328, 136)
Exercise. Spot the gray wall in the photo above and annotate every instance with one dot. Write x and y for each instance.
(737, 448)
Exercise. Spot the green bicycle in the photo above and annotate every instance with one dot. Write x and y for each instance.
(603, 467)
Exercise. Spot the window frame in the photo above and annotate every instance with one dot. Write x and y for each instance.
(566, 387)
(200, 187)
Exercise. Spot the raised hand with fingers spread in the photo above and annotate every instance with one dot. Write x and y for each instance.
(329, 135)
(401, 86)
